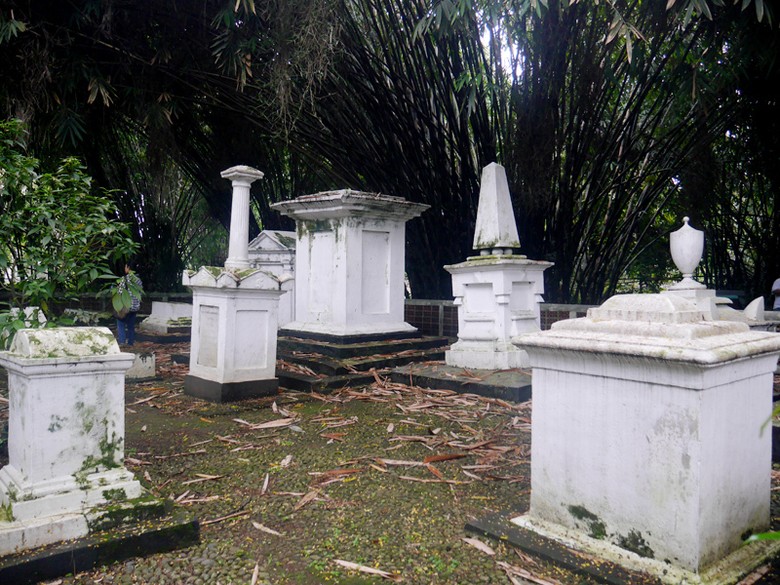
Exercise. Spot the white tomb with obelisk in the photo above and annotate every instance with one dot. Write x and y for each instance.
(234, 314)
(498, 292)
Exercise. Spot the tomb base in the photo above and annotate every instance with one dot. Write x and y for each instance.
(47, 548)
(144, 367)
(27, 500)
(490, 355)
(728, 570)
(607, 563)
(229, 391)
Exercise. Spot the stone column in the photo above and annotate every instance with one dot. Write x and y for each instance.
(646, 439)
(242, 178)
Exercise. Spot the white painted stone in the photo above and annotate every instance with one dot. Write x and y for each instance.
(497, 293)
(234, 323)
(497, 298)
(274, 252)
(242, 178)
(496, 228)
(143, 368)
(687, 247)
(349, 275)
(646, 427)
(66, 422)
(755, 310)
(166, 316)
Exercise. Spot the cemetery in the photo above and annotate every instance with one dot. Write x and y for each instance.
(626, 446)
(437, 292)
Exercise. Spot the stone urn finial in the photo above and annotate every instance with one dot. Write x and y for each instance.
(687, 247)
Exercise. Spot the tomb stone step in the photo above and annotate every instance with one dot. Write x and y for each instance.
(321, 364)
(514, 384)
(340, 349)
(174, 530)
(325, 384)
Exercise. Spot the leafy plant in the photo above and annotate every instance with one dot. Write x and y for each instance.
(59, 238)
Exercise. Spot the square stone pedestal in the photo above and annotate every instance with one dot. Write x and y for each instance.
(647, 433)
(349, 266)
(234, 328)
(497, 298)
(65, 434)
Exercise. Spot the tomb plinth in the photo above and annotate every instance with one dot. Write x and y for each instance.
(497, 298)
(234, 323)
(646, 438)
(66, 432)
(498, 292)
(349, 275)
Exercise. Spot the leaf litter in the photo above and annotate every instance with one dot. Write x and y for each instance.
(475, 441)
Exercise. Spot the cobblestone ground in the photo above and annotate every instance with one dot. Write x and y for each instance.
(308, 489)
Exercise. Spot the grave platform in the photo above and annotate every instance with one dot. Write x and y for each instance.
(499, 526)
(318, 362)
(120, 531)
(513, 384)
(174, 335)
(598, 560)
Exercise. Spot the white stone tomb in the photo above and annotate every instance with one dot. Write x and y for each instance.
(66, 434)
(234, 315)
(646, 439)
(497, 293)
(349, 267)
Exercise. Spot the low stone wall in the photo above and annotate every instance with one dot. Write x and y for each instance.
(434, 317)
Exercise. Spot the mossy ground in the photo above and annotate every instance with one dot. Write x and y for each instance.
(335, 488)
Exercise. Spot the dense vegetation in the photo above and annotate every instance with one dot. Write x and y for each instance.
(613, 119)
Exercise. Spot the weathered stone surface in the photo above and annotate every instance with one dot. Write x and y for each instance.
(350, 254)
(646, 428)
(496, 228)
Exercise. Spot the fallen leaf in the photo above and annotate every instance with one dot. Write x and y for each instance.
(370, 570)
(286, 461)
(390, 428)
(306, 499)
(201, 478)
(265, 485)
(266, 529)
(513, 571)
(222, 518)
(271, 424)
(143, 429)
(399, 462)
(479, 545)
(255, 574)
(444, 457)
